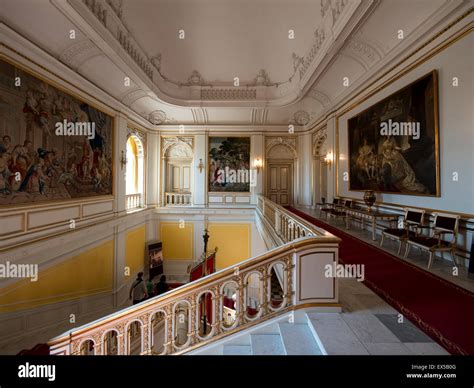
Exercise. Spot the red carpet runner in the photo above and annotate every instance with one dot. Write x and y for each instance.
(441, 309)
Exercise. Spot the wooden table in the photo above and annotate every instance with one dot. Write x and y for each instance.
(372, 215)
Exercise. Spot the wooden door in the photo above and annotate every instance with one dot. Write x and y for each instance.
(179, 178)
(280, 183)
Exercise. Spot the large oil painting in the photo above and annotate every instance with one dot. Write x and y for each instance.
(229, 161)
(52, 145)
(393, 145)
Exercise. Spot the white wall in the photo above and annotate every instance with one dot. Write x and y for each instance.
(456, 130)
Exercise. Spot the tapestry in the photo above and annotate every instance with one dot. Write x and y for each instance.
(229, 169)
(52, 145)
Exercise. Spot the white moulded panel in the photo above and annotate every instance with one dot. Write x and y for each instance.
(242, 199)
(314, 286)
(97, 208)
(41, 218)
(12, 224)
(215, 199)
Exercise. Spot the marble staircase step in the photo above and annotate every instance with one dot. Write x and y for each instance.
(237, 350)
(267, 344)
(298, 339)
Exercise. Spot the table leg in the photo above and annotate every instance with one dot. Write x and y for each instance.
(374, 224)
(347, 220)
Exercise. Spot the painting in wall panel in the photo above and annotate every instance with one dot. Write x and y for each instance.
(393, 145)
(53, 146)
(229, 161)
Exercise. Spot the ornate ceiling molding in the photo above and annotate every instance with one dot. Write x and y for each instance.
(319, 96)
(300, 117)
(159, 117)
(78, 53)
(259, 116)
(364, 51)
(336, 14)
(219, 94)
(200, 115)
(129, 98)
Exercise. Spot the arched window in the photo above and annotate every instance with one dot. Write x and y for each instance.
(134, 174)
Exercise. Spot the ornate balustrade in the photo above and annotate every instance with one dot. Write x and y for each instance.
(133, 201)
(288, 226)
(217, 305)
(178, 199)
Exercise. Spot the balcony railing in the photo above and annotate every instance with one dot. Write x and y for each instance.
(133, 201)
(177, 321)
(178, 199)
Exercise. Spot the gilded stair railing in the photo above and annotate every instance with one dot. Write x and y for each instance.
(173, 323)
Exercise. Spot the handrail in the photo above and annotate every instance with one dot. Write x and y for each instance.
(189, 298)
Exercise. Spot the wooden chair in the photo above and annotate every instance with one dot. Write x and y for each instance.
(412, 221)
(444, 225)
(340, 210)
(326, 209)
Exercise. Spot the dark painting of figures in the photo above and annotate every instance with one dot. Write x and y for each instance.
(393, 145)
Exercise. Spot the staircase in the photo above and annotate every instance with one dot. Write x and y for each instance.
(260, 323)
(292, 334)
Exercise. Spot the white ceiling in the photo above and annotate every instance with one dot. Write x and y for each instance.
(225, 39)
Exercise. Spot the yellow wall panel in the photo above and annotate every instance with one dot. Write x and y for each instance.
(135, 250)
(177, 242)
(233, 242)
(88, 273)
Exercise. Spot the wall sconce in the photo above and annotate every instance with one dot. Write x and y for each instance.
(123, 160)
(329, 159)
(258, 165)
(200, 165)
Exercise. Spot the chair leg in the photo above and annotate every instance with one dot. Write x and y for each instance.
(381, 240)
(407, 249)
(399, 247)
(431, 259)
(453, 257)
